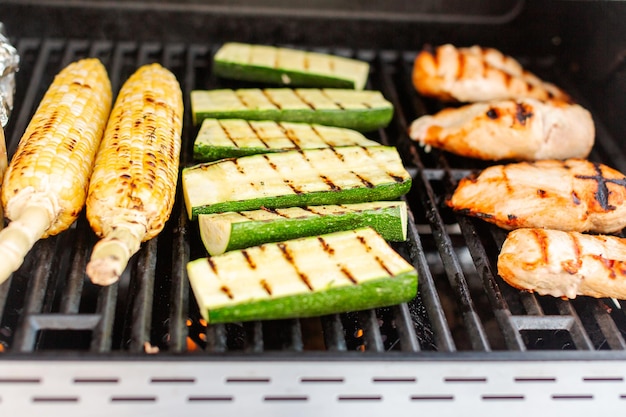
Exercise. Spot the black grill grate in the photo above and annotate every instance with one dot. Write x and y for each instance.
(462, 305)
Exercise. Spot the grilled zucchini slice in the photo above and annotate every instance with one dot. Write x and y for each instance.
(287, 66)
(350, 174)
(333, 273)
(364, 110)
(231, 138)
(222, 232)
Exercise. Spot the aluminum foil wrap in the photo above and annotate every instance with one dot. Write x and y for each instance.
(9, 64)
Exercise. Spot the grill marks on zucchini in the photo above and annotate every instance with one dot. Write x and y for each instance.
(222, 232)
(287, 66)
(359, 110)
(266, 287)
(211, 264)
(327, 248)
(226, 138)
(296, 178)
(275, 103)
(286, 251)
(248, 259)
(332, 273)
(226, 291)
(331, 99)
(365, 182)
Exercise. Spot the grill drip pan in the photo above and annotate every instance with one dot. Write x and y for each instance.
(467, 340)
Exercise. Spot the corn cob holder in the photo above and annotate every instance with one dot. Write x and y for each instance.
(45, 184)
(133, 185)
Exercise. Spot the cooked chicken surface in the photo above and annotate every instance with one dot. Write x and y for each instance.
(571, 195)
(564, 264)
(525, 129)
(477, 74)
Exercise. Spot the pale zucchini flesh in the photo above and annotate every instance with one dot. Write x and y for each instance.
(364, 110)
(231, 138)
(334, 273)
(350, 174)
(221, 232)
(287, 66)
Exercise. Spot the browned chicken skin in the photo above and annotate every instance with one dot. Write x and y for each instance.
(571, 195)
(477, 74)
(524, 129)
(564, 264)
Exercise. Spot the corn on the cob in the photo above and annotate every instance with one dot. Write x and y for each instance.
(133, 185)
(45, 185)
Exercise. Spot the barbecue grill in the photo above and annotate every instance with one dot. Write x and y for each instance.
(467, 341)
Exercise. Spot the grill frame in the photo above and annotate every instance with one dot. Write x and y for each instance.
(473, 359)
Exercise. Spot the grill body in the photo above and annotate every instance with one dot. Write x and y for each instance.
(467, 340)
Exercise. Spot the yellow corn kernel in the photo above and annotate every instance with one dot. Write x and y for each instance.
(133, 185)
(45, 185)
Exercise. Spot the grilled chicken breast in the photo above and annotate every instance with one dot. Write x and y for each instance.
(477, 74)
(571, 195)
(564, 264)
(524, 129)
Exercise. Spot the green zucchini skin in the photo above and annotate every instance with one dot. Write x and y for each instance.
(363, 111)
(294, 179)
(286, 66)
(388, 191)
(333, 273)
(268, 75)
(382, 293)
(223, 232)
(232, 138)
(207, 153)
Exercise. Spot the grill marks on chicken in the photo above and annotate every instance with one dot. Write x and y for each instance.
(564, 264)
(571, 195)
(603, 192)
(477, 74)
(524, 129)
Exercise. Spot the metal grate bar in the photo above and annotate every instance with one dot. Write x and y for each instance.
(579, 336)
(332, 328)
(609, 329)
(102, 340)
(293, 335)
(179, 292)
(372, 338)
(216, 338)
(483, 266)
(179, 298)
(142, 296)
(254, 336)
(25, 335)
(4, 294)
(74, 49)
(408, 337)
(427, 291)
(71, 296)
(452, 266)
